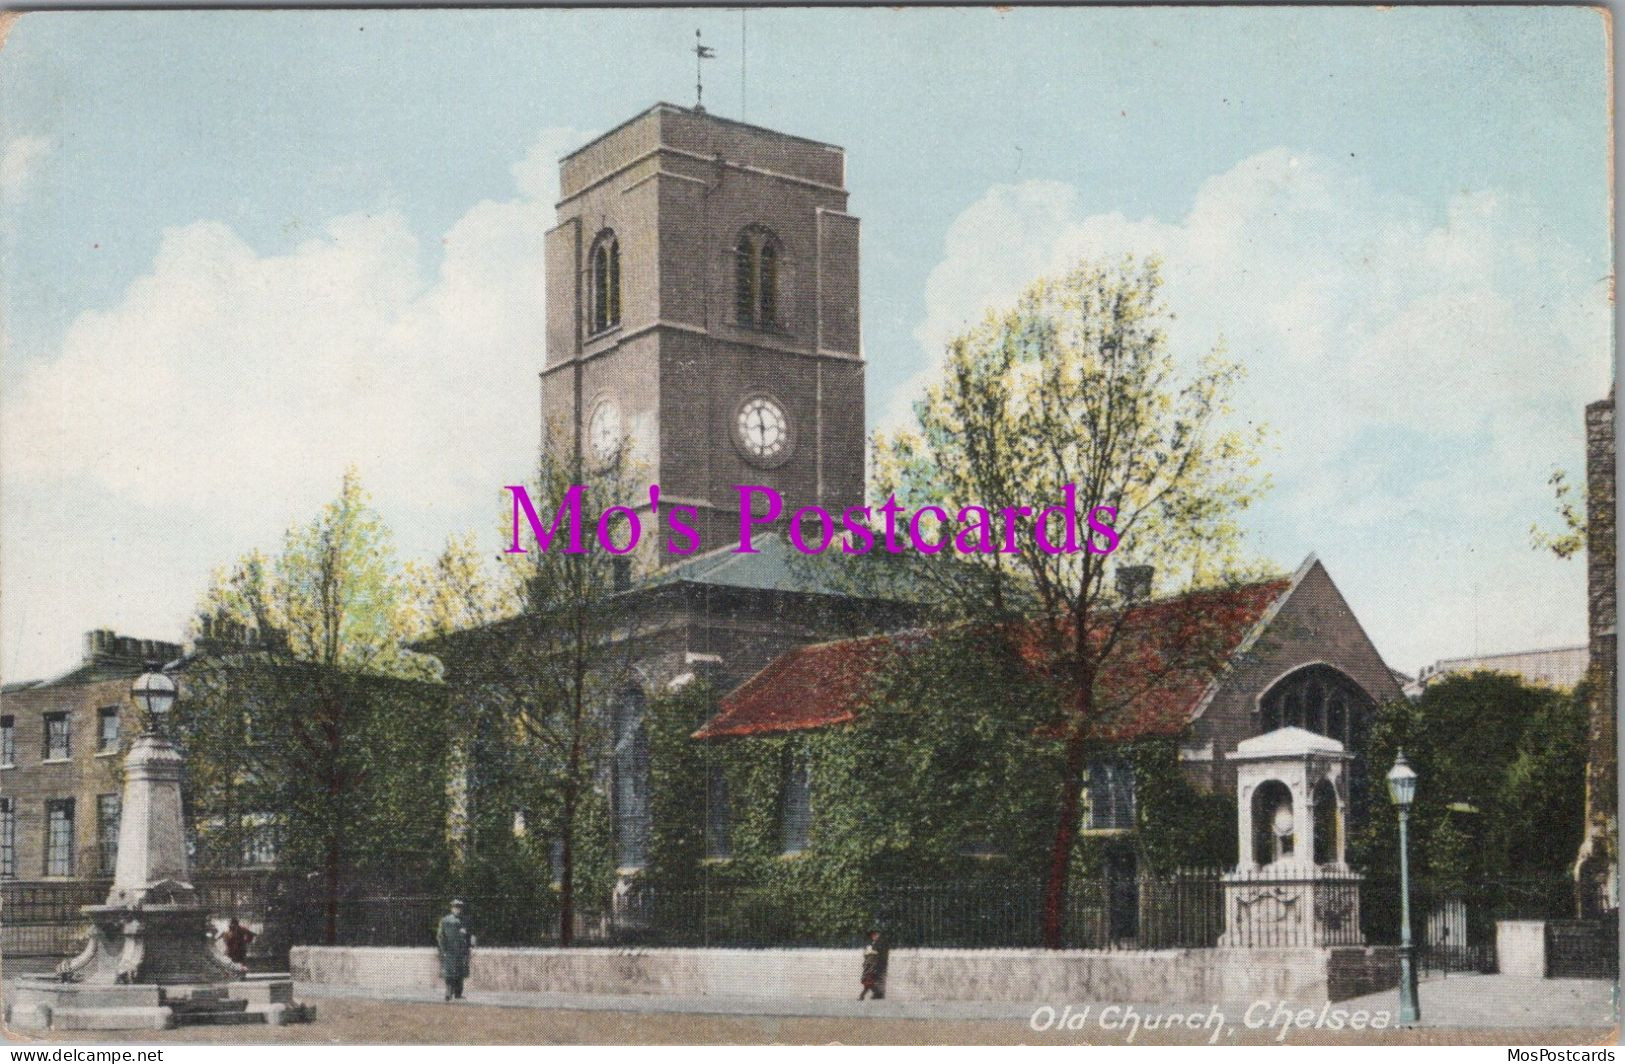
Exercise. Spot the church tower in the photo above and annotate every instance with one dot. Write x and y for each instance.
(702, 311)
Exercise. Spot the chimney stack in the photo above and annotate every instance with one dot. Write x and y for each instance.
(1134, 583)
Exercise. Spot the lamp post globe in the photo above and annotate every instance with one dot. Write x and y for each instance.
(1402, 782)
(1402, 792)
(155, 694)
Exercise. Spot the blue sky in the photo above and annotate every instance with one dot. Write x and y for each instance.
(240, 250)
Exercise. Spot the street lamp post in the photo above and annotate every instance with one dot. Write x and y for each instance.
(1402, 791)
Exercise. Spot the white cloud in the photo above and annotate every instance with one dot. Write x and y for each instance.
(19, 160)
(228, 389)
(1430, 364)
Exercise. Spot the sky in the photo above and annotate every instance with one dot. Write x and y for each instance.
(240, 251)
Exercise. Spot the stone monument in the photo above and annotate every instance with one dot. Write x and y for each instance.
(148, 962)
(1292, 886)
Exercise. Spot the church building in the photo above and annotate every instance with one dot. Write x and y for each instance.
(703, 320)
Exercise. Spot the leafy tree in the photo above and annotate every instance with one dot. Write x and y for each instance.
(1499, 806)
(313, 720)
(1074, 394)
(542, 643)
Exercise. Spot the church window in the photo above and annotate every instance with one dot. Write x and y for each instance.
(718, 844)
(796, 807)
(1111, 796)
(757, 261)
(1324, 700)
(630, 770)
(606, 283)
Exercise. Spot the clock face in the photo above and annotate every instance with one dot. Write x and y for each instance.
(604, 430)
(764, 431)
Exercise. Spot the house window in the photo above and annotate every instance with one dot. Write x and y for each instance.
(107, 726)
(796, 807)
(8, 741)
(605, 282)
(630, 769)
(107, 816)
(8, 838)
(1111, 796)
(59, 837)
(717, 842)
(58, 739)
(756, 278)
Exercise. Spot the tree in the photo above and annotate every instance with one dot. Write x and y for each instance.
(305, 718)
(541, 645)
(1500, 803)
(1073, 396)
(1572, 539)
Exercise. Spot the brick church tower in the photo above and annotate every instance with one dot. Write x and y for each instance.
(702, 311)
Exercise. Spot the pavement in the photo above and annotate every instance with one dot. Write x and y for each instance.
(1491, 1010)
(1456, 1001)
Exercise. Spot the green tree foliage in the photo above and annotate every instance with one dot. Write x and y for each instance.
(540, 646)
(1501, 793)
(1076, 390)
(936, 795)
(1570, 512)
(318, 720)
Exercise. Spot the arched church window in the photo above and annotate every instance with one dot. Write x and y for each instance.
(605, 300)
(757, 261)
(1327, 701)
(630, 771)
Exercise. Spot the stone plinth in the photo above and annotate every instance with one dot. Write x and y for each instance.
(148, 962)
(1292, 906)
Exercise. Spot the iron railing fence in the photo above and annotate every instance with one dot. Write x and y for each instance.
(1453, 925)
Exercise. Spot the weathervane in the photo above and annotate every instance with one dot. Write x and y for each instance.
(701, 52)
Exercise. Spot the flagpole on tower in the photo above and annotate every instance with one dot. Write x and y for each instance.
(701, 53)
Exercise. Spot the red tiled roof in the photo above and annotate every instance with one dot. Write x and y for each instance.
(1151, 684)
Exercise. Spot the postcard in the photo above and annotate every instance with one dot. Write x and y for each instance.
(1028, 525)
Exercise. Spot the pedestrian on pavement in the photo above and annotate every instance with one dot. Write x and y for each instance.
(454, 943)
(875, 957)
(236, 940)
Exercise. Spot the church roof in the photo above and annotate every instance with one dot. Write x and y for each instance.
(774, 566)
(1152, 684)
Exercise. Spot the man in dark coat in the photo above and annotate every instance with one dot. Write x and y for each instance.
(454, 942)
(236, 940)
(875, 957)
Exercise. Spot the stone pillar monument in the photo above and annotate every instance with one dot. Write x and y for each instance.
(148, 962)
(1292, 886)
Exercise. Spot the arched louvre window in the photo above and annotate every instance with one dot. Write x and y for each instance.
(796, 806)
(767, 283)
(605, 283)
(757, 261)
(630, 768)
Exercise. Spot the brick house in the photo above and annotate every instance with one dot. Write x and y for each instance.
(61, 749)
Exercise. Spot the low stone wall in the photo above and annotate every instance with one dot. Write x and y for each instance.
(1520, 948)
(1306, 976)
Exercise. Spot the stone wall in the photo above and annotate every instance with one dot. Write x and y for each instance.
(1211, 976)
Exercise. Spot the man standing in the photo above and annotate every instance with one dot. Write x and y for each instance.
(236, 940)
(454, 941)
(875, 957)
